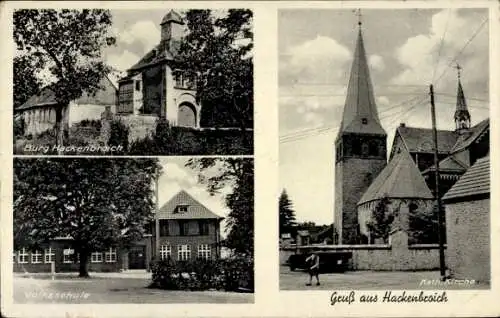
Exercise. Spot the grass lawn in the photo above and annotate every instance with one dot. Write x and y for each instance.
(111, 290)
(368, 280)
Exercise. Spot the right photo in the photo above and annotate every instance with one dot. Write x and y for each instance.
(391, 186)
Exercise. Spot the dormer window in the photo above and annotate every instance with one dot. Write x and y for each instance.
(182, 208)
(364, 121)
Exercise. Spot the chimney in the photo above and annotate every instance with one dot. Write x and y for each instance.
(402, 125)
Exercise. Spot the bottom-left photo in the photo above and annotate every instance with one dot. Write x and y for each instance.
(133, 230)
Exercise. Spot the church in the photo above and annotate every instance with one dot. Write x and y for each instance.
(365, 173)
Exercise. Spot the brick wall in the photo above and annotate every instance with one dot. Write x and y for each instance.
(468, 237)
(353, 176)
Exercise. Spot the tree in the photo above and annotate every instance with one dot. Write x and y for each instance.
(379, 225)
(286, 214)
(67, 44)
(217, 52)
(25, 81)
(96, 202)
(423, 225)
(237, 173)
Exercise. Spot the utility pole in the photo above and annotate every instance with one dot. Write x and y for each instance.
(442, 265)
(157, 218)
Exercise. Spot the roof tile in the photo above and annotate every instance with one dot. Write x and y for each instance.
(476, 180)
(195, 210)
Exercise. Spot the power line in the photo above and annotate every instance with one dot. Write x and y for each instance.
(462, 49)
(441, 45)
(468, 98)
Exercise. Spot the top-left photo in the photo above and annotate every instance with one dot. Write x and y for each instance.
(133, 82)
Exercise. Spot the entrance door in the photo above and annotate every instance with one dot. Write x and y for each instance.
(187, 116)
(137, 257)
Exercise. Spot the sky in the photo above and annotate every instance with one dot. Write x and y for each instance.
(177, 177)
(407, 49)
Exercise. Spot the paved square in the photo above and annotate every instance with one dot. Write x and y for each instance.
(110, 288)
(369, 280)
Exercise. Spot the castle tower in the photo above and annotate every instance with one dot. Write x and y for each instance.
(172, 29)
(360, 147)
(462, 115)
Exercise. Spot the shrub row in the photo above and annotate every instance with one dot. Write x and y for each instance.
(231, 274)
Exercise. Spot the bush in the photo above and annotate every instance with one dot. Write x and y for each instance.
(118, 135)
(232, 274)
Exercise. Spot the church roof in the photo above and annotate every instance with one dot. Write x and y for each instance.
(461, 104)
(449, 164)
(421, 139)
(400, 179)
(172, 16)
(360, 111)
(195, 209)
(473, 134)
(47, 97)
(476, 180)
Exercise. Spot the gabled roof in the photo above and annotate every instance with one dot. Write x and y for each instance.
(172, 16)
(155, 55)
(449, 164)
(360, 102)
(476, 180)
(421, 139)
(400, 179)
(104, 96)
(474, 133)
(195, 210)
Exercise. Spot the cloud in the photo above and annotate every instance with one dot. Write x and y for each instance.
(123, 60)
(172, 171)
(376, 62)
(147, 33)
(420, 54)
(321, 59)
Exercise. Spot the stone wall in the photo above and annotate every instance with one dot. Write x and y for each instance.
(395, 256)
(468, 236)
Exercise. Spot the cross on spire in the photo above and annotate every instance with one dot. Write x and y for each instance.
(459, 68)
(358, 14)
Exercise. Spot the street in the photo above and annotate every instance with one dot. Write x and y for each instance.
(110, 288)
(371, 280)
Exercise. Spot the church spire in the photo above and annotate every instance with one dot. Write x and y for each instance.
(360, 111)
(462, 115)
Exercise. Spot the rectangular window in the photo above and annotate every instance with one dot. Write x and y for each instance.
(111, 255)
(203, 225)
(204, 251)
(184, 228)
(125, 98)
(182, 208)
(68, 254)
(137, 85)
(36, 257)
(49, 255)
(23, 256)
(164, 228)
(165, 251)
(183, 252)
(96, 257)
(15, 257)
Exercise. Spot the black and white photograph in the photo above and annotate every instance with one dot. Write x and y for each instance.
(133, 82)
(391, 186)
(133, 230)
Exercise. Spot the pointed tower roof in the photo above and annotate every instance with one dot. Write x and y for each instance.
(360, 111)
(172, 16)
(461, 104)
(400, 179)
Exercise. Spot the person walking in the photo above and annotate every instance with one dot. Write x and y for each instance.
(313, 268)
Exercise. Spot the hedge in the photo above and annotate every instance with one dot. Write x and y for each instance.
(231, 274)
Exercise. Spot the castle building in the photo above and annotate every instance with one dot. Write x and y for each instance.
(360, 147)
(157, 86)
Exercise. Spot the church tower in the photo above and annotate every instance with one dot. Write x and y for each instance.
(462, 115)
(360, 147)
(172, 29)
